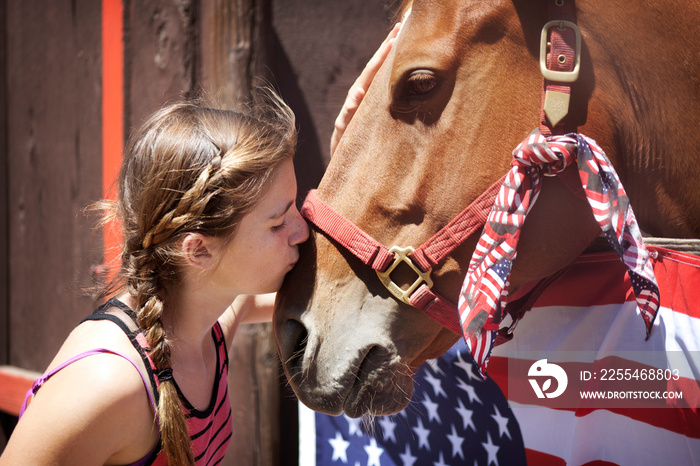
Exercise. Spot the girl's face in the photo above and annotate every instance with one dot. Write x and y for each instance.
(265, 245)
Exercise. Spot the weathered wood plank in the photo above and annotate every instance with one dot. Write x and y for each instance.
(160, 56)
(233, 37)
(53, 142)
(4, 244)
(319, 50)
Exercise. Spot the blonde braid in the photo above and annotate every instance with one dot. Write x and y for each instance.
(191, 205)
(150, 307)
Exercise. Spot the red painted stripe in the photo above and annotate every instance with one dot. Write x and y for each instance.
(14, 384)
(112, 115)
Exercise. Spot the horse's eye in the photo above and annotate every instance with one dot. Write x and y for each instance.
(420, 82)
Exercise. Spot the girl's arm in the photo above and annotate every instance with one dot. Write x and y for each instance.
(258, 308)
(247, 309)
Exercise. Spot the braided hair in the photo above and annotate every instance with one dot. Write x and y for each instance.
(189, 168)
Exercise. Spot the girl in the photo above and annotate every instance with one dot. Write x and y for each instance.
(206, 201)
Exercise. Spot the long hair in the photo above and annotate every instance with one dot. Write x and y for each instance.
(189, 168)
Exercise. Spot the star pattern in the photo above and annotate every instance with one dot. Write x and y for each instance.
(354, 426)
(436, 383)
(466, 415)
(373, 452)
(454, 418)
(432, 409)
(491, 450)
(407, 458)
(456, 442)
(388, 428)
(340, 447)
(422, 434)
(469, 389)
(501, 421)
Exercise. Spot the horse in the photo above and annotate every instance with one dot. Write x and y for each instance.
(462, 86)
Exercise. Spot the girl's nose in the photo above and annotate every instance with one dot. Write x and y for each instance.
(300, 229)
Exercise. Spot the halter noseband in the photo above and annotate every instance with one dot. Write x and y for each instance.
(421, 260)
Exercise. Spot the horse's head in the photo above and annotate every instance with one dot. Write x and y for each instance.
(460, 89)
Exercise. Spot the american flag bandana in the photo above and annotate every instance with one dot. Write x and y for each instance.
(485, 289)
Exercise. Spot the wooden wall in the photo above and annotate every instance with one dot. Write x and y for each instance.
(51, 158)
(53, 151)
(4, 180)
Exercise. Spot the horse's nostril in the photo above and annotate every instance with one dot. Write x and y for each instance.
(294, 346)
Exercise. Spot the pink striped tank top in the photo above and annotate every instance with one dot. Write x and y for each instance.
(210, 429)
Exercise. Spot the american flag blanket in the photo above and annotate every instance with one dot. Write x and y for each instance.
(457, 418)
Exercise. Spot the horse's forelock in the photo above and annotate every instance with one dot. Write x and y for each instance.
(404, 8)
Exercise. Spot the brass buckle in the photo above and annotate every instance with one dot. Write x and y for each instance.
(401, 255)
(559, 76)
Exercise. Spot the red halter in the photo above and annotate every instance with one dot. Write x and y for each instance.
(422, 259)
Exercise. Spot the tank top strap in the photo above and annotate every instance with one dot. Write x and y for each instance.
(107, 306)
(133, 332)
(41, 380)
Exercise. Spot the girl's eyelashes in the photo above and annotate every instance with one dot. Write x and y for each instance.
(279, 227)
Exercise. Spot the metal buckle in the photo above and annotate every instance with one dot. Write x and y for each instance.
(401, 255)
(559, 76)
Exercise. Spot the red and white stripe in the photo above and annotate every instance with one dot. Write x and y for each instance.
(591, 310)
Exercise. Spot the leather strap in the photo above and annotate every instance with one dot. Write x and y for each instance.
(371, 252)
(561, 57)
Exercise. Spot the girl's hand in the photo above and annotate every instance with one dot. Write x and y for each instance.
(359, 88)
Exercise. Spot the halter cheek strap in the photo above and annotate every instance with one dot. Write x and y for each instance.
(560, 60)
